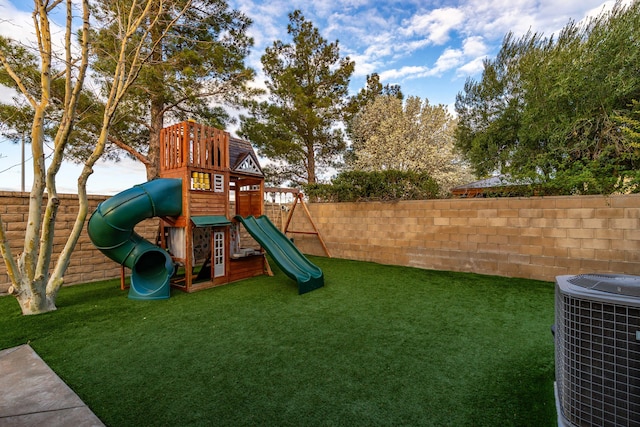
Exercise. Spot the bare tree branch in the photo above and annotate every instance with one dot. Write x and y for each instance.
(133, 152)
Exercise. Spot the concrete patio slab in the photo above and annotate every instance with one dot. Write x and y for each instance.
(33, 395)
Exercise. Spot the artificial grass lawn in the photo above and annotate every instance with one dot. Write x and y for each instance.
(378, 345)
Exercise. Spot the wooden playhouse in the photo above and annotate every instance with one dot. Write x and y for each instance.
(221, 178)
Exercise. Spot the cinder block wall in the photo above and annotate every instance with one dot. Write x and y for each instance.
(87, 263)
(538, 237)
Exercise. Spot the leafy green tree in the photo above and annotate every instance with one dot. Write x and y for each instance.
(388, 134)
(297, 127)
(544, 107)
(16, 113)
(629, 122)
(195, 67)
(15, 121)
(489, 111)
(15, 125)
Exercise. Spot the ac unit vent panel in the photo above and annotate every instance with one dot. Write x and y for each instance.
(621, 284)
(597, 338)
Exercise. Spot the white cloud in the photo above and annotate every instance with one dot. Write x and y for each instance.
(449, 60)
(15, 23)
(414, 42)
(18, 25)
(466, 60)
(381, 45)
(435, 25)
(7, 93)
(402, 73)
(474, 51)
(495, 18)
(365, 66)
(473, 46)
(472, 67)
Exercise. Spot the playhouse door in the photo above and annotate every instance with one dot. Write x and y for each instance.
(218, 253)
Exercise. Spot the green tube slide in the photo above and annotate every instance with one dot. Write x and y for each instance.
(290, 260)
(111, 227)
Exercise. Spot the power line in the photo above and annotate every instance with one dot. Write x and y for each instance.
(20, 163)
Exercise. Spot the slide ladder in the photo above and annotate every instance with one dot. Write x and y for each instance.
(290, 260)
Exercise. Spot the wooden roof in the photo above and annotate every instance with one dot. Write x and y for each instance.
(239, 150)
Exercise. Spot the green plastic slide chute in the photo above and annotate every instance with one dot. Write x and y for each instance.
(290, 260)
(111, 227)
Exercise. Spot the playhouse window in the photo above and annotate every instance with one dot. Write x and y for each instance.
(218, 183)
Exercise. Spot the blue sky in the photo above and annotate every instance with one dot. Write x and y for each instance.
(428, 47)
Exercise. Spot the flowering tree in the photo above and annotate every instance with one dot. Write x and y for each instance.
(388, 134)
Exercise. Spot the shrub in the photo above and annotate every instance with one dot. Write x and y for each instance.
(387, 185)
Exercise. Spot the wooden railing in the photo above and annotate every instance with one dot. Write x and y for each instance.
(189, 144)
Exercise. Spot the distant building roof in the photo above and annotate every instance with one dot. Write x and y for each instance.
(493, 181)
(477, 188)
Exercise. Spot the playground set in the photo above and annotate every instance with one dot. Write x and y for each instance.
(200, 243)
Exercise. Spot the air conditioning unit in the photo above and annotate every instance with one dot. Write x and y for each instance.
(597, 350)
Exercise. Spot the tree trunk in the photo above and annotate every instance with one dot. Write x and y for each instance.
(32, 301)
(32, 285)
(153, 155)
(156, 111)
(30, 296)
(311, 165)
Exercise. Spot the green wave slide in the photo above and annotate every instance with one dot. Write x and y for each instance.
(290, 260)
(111, 227)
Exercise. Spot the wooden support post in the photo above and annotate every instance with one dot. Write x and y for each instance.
(267, 267)
(122, 278)
(315, 231)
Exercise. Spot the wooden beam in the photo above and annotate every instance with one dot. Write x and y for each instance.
(300, 196)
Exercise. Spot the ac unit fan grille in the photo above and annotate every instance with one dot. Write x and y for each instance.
(598, 362)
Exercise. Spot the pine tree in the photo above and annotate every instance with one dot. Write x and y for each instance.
(297, 127)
